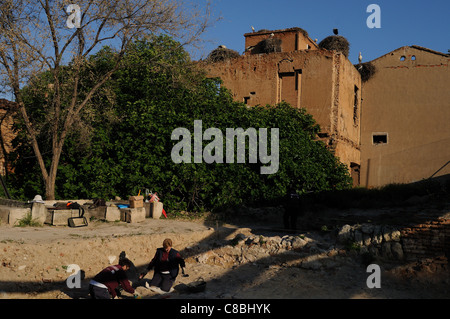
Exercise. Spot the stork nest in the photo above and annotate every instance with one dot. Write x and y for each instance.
(270, 45)
(367, 70)
(222, 54)
(336, 43)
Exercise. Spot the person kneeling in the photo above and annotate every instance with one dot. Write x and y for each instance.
(166, 264)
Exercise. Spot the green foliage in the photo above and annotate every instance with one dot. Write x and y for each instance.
(28, 221)
(156, 91)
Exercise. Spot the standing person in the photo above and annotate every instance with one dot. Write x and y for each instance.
(105, 283)
(166, 264)
(292, 207)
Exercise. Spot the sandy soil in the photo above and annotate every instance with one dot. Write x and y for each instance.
(234, 261)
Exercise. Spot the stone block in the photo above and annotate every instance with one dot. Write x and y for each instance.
(98, 212)
(132, 215)
(4, 215)
(156, 209)
(16, 213)
(386, 251)
(112, 214)
(397, 251)
(344, 234)
(60, 217)
(39, 212)
(358, 237)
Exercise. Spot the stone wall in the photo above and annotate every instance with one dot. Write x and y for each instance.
(427, 240)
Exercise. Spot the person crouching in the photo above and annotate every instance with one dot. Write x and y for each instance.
(106, 283)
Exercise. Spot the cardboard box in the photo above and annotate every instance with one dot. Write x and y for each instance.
(136, 201)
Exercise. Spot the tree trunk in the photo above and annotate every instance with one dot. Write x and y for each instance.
(51, 178)
(50, 186)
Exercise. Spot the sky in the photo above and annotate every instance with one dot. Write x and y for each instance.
(402, 23)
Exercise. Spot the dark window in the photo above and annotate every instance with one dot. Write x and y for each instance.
(379, 139)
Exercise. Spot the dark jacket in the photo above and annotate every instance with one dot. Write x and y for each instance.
(112, 277)
(163, 261)
(292, 202)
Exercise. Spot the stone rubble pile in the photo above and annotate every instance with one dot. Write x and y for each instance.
(289, 250)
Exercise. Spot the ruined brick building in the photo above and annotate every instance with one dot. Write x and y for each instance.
(296, 71)
(390, 128)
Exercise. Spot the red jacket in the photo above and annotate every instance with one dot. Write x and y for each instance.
(112, 277)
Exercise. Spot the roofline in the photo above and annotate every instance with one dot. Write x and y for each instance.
(262, 32)
(428, 50)
(413, 47)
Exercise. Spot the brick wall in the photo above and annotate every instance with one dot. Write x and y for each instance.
(429, 239)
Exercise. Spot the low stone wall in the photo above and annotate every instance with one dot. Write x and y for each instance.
(427, 240)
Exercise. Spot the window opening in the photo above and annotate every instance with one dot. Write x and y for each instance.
(379, 138)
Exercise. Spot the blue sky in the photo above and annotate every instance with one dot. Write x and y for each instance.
(413, 22)
(403, 22)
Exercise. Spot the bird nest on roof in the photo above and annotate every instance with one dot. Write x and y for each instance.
(222, 54)
(336, 43)
(270, 45)
(367, 70)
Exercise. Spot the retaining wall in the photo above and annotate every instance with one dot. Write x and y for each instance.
(430, 239)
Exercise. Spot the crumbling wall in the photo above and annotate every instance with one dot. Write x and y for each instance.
(431, 239)
(325, 83)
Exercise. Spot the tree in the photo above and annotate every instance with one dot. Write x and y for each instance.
(47, 35)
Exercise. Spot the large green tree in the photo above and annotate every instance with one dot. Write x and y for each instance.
(128, 144)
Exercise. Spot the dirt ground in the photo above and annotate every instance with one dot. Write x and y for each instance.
(235, 261)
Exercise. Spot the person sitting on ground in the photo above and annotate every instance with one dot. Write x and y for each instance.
(107, 282)
(166, 264)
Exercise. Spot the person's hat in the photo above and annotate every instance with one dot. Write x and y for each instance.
(38, 199)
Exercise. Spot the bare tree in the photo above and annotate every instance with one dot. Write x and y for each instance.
(52, 35)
